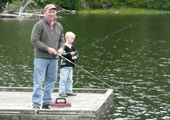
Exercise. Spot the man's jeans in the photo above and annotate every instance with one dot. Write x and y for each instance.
(66, 75)
(44, 70)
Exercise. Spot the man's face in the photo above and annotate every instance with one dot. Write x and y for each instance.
(50, 14)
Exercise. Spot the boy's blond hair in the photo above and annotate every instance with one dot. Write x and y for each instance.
(69, 34)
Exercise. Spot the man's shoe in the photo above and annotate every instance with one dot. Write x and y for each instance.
(36, 107)
(71, 94)
(46, 106)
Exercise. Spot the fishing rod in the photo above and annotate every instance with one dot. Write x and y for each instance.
(84, 70)
(105, 37)
(111, 87)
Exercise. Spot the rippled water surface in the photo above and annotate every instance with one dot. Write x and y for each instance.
(130, 53)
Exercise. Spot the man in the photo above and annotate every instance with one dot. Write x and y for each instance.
(48, 40)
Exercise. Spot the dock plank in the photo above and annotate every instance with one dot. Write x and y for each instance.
(87, 105)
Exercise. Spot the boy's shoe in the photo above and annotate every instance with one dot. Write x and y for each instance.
(63, 95)
(36, 107)
(46, 106)
(71, 94)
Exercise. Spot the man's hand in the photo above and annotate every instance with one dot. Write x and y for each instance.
(51, 50)
(59, 52)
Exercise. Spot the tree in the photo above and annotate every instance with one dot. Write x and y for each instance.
(68, 4)
(3, 3)
(91, 4)
(96, 3)
(118, 3)
(161, 4)
(22, 8)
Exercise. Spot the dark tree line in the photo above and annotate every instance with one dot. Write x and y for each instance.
(150, 4)
(95, 4)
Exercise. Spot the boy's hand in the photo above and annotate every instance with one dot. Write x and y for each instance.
(74, 58)
(72, 53)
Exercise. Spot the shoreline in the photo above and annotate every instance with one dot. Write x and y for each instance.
(123, 11)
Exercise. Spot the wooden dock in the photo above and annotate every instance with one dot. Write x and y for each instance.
(89, 104)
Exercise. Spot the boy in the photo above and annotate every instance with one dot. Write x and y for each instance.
(66, 67)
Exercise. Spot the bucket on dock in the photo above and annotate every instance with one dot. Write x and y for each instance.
(60, 104)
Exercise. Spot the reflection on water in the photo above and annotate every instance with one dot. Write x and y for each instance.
(16, 55)
(134, 61)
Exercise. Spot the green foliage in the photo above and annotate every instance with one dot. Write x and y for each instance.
(40, 3)
(15, 1)
(3, 3)
(96, 4)
(161, 4)
(93, 4)
(118, 3)
(134, 3)
(68, 4)
(126, 11)
(131, 3)
(9, 5)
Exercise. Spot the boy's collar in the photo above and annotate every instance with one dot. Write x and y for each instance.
(69, 45)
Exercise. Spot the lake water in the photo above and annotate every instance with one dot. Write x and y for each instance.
(128, 52)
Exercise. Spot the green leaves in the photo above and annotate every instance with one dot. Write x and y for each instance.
(94, 4)
(68, 4)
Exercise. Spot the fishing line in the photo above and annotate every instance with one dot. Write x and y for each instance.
(94, 75)
(105, 37)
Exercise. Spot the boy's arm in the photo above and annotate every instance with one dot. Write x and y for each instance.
(66, 54)
(77, 55)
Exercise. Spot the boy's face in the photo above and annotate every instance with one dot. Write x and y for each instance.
(70, 39)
